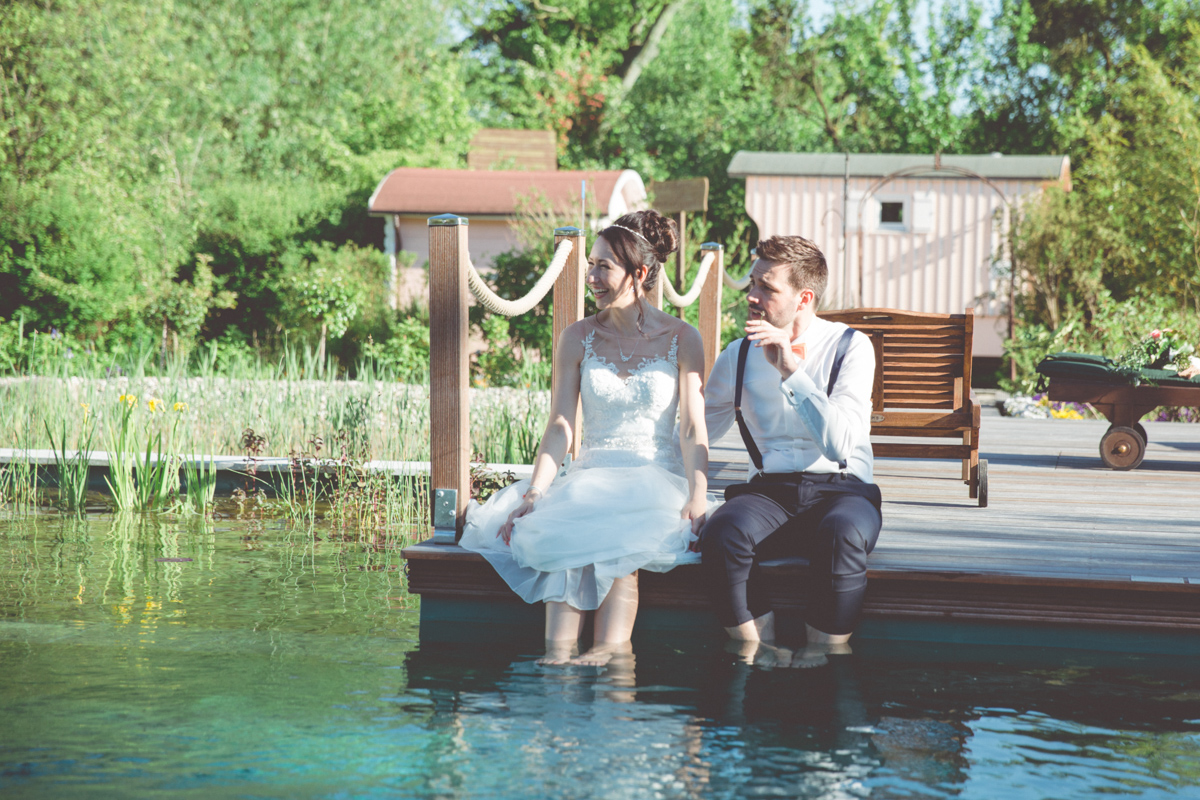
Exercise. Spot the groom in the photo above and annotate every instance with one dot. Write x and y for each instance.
(804, 410)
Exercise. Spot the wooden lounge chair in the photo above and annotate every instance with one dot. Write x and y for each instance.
(923, 386)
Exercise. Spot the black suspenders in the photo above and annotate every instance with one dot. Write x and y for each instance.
(839, 355)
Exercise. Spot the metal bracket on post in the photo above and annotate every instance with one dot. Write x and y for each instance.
(445, 513)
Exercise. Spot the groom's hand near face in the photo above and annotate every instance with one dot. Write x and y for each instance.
(777, 346)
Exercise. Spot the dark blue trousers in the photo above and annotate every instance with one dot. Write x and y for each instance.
(833, 520)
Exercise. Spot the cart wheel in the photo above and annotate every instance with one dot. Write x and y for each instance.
(1122, 448)
(983, 497)
(1137, 426)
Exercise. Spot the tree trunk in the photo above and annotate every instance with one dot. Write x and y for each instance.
(649, 49)
(321, 349)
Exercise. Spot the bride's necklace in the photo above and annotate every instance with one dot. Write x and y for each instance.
(621, 350)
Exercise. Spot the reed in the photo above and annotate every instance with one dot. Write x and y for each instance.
(18, 485)
(200, 486)
(72, 468)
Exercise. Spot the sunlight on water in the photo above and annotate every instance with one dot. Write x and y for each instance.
(143, 657)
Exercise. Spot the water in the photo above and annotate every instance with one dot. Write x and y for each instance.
(275, 665)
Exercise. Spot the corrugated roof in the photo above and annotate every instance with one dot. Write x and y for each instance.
(414, 190)
(867, 165)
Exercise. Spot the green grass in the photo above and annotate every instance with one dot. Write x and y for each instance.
(155, 417)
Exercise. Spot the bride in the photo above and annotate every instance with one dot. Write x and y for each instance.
(575, 541)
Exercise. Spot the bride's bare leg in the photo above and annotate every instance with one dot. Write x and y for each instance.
(564, 623)
(614, 621)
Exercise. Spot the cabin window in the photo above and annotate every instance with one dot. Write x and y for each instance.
(891, 213)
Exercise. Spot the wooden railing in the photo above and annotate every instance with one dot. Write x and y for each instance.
(449, 379)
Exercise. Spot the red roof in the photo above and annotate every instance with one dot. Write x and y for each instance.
(414, 190)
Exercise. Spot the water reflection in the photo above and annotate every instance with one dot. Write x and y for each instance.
(151, 655)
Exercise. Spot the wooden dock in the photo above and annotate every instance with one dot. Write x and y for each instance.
(1066, 546)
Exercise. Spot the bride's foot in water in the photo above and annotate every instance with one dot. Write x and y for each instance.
(559, 653)
(601, 654)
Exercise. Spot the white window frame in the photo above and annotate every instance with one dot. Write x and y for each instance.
(905, 201)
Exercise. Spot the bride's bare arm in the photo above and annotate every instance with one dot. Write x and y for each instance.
(560, 429)
(693, 434)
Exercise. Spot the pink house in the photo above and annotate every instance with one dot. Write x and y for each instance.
(915, 232)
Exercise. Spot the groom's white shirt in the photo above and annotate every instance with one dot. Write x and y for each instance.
(795, 425)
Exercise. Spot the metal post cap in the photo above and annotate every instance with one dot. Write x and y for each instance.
(712, 246)
(447, 220)
(568, 230)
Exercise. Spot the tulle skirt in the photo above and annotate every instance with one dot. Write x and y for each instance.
(593, 526)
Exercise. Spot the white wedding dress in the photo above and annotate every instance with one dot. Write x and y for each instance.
(616, 509)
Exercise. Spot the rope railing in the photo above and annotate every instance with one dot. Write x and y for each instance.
(513, 308)
(685, 300)
(737, 284)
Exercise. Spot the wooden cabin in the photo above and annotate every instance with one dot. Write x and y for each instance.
(920, 233)
(491, 199)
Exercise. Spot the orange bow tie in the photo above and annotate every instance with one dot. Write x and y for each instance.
(799, 349)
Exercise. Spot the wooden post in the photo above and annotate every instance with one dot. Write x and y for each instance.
(655, 297)
(449, 412)
(710, 305)
(568, 304)
(681, 257)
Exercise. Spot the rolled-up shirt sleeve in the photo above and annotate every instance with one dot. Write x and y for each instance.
(837, 422)
(718, 393)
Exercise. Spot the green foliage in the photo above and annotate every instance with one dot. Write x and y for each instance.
(72, 468)
(1114, 328)
(139, 138)
(325, 296)
(497, 365)
(327, 287)
(405, 351)
(516, 271)
(1162, 348)
(1102, 265)
(182, 307)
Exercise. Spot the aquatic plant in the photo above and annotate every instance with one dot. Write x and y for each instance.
(140, 481)
(200, 485)
(73, 466)
(18, 484)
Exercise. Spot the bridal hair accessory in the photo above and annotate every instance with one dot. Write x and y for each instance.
(635, 233)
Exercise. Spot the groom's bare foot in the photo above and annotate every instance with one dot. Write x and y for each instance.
(760, 654)
(819, 647)
(761, 629)
(602, 653)
(559, 653)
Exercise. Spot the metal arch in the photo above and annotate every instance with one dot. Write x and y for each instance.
(912, 172)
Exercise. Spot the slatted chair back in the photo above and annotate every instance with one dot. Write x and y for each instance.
(922, 384)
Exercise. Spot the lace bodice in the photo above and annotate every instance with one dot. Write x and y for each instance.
(630, 420)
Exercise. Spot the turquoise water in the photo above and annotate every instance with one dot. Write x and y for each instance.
(276, 663)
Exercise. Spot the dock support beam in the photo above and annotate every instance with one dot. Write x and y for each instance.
(449, 411)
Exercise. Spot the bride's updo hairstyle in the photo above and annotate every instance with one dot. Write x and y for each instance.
(642, 237)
